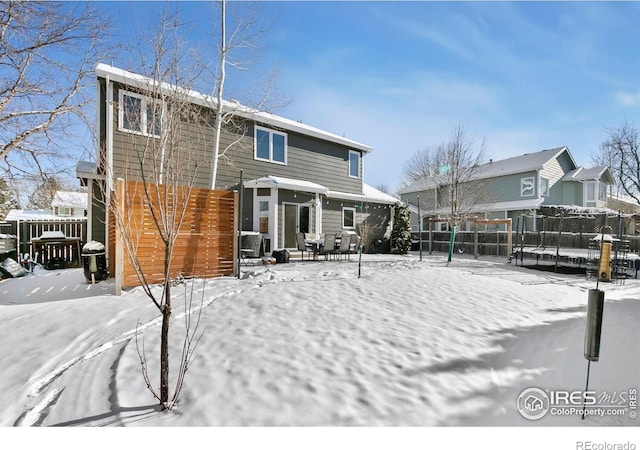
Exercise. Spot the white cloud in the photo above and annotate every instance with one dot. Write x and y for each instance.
(628, 98)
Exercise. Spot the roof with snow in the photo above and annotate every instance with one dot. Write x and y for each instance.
(594, 173)
(20, 215)
(143, 82)
(70, 199)
(369, 193)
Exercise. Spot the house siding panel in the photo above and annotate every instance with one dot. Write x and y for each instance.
(307, 159)
(553, 171)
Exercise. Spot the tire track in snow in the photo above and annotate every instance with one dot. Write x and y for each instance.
(36, 415)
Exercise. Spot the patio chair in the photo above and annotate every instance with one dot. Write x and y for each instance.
(345, 245)
(329, 247)
(302, 246)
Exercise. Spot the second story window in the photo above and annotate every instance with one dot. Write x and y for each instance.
(139, 114)
(354, 164)
(544, 187)
(270, 145)
(527, 186)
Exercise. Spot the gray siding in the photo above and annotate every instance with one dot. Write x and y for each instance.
(554, 170)
(572, 193)
(308, 159)
(507, 188)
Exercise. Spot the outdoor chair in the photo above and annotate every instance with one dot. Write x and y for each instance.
(302, 246)
(354, 246)
(329, 247)
(345, 245)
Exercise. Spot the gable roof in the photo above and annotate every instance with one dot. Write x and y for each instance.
(517, 164)
(142, 82)
(594, 173)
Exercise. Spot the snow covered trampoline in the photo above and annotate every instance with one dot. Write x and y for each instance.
(410, 343)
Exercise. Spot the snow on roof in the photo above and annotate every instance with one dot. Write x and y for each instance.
(369, 194)
(286, 183)
(143, 82)
(516, 164)
(15, 215)
(70, 199)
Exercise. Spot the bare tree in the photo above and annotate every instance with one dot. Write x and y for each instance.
(452, 169)
(236, 47)
(420, 166)
(165, 153)
(622, 154)
(47, 53)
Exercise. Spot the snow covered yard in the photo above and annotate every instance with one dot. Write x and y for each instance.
(410, 343)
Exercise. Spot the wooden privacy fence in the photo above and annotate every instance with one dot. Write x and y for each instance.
(205, 246)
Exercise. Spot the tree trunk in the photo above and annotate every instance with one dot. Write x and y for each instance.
(164, 349)
(164, 359)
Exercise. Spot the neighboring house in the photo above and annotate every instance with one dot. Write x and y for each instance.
(297, 178)
(521, 185)
(69, 204)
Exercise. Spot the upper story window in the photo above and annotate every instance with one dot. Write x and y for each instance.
(270, 145)
(354, 164)
(63, 211)
(140, 114)
(544, 187)
(527, 186)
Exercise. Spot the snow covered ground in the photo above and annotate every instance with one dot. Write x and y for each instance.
(411, 343)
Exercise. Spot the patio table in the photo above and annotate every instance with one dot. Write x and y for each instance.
(315, 245)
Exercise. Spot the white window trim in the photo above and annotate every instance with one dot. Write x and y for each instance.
(522, 185)
(271, 133)
(352, 152)
(349, 208)
(143, 113)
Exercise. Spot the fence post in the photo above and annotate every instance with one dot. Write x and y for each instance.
(237, 212)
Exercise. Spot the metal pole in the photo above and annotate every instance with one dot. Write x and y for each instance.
(419, 228)
(586, 388)
(240, 221)
(559, 237)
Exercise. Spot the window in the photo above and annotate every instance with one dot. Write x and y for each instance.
(139, 114)
(264, 217)
(270, 146)
(544, 187)
(64, 211)
(354, 164)
(591, 191)
(348, 217)
(602, 193)
(527, 187)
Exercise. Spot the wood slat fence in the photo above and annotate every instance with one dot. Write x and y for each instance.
(205, 246)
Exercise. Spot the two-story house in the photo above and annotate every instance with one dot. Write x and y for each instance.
(296, 178)
(521, 185)
(69, 204)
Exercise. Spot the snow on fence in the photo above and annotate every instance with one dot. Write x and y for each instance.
(205, 246)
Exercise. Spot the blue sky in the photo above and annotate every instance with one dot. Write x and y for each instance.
(399, 76)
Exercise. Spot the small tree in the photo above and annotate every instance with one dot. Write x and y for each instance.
(453, 167)
(401, 231)
(167, 159)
